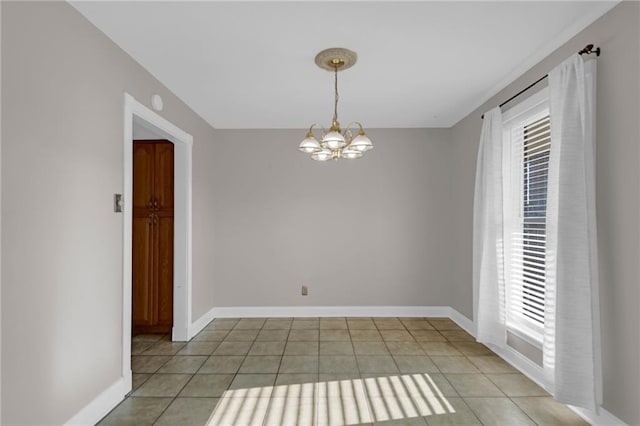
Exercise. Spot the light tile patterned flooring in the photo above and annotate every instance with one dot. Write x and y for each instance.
(330, 371)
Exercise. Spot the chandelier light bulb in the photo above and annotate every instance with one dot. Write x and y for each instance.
(333, 140)
(361, 143)
(351, 154)
(322, 155)
(309, 145)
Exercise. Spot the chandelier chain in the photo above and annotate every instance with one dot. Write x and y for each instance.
(335, 103)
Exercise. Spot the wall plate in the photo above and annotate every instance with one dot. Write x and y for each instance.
(117, 203)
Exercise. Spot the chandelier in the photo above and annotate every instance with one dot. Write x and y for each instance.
(336, 143)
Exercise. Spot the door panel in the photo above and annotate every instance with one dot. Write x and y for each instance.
(143, 175)
(163, 247)
(163, 190)
(142, 297)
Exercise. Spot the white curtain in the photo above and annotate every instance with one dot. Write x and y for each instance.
(572, 318)
(488, 272)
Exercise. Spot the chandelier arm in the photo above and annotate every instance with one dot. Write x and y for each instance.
(361, 131)
(357, 123)
(312, 126)
(348, 136)
(324, 131)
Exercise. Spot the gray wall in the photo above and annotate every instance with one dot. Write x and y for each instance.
(370, 232)
(62, 104)
(618, 197)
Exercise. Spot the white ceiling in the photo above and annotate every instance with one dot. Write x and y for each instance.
(420, 64)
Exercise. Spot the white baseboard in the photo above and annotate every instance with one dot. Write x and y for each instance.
(464, 322)
(197, 326)
(603, 418)
(101, 405)
(330, 311)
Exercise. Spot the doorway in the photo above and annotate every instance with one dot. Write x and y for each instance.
(148, 123)
(152, 257)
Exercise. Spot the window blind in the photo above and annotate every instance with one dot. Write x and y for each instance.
(528, 140)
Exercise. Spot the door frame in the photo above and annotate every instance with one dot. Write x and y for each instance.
(136, 114)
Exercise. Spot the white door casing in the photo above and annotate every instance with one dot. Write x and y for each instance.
(136, 114)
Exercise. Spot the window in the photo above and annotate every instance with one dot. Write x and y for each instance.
(527, 142)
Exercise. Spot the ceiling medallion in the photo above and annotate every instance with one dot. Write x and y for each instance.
(336, 143)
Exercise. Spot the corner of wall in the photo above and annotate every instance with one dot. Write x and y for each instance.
(196, 326)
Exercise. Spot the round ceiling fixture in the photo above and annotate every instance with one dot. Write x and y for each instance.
(336, 57)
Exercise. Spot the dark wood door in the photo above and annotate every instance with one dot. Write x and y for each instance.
(152, 296)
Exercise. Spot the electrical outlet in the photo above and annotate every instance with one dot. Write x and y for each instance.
(305, 290)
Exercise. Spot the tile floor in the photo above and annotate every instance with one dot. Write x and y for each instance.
(330, 371)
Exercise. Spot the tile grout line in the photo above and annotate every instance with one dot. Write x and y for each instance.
(264, 421)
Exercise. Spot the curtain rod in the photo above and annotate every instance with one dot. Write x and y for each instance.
(588, 49)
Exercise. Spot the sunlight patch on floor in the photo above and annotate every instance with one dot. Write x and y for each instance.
(334, 403)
